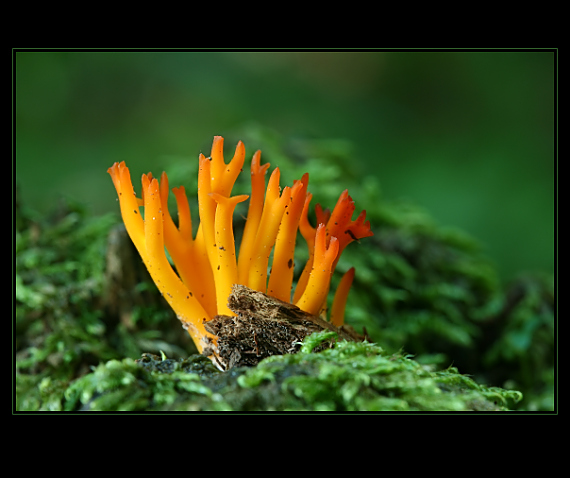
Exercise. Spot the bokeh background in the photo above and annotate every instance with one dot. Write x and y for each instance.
(469, 136)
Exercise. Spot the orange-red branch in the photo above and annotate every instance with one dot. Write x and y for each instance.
(319, 280)
(340, 298)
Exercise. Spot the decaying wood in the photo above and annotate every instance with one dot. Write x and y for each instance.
(123, 272)
(263, 326)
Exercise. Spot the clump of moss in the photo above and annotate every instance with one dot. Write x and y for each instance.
(63, 321)
(58, 275)
(349, 376)
(148, 384)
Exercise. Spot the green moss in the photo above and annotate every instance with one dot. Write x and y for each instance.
(347, 377)
(62, 325)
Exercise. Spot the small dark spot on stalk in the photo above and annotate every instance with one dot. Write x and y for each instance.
(350, 233)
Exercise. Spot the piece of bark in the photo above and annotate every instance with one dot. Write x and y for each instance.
(263, 326)
(123, 272)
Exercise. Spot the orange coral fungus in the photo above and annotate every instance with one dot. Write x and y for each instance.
(206, 264)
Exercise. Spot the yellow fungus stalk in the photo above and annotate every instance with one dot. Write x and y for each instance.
(281, 279)
(207, 264)
(225, 268)
(148, 237)
(271, 217)
(253, 217)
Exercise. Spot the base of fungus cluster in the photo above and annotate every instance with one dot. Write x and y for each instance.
(263, 326)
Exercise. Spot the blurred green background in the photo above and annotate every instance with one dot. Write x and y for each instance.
(469, 136)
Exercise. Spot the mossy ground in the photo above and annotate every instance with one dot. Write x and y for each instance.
(419, 288)
(347, 377)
